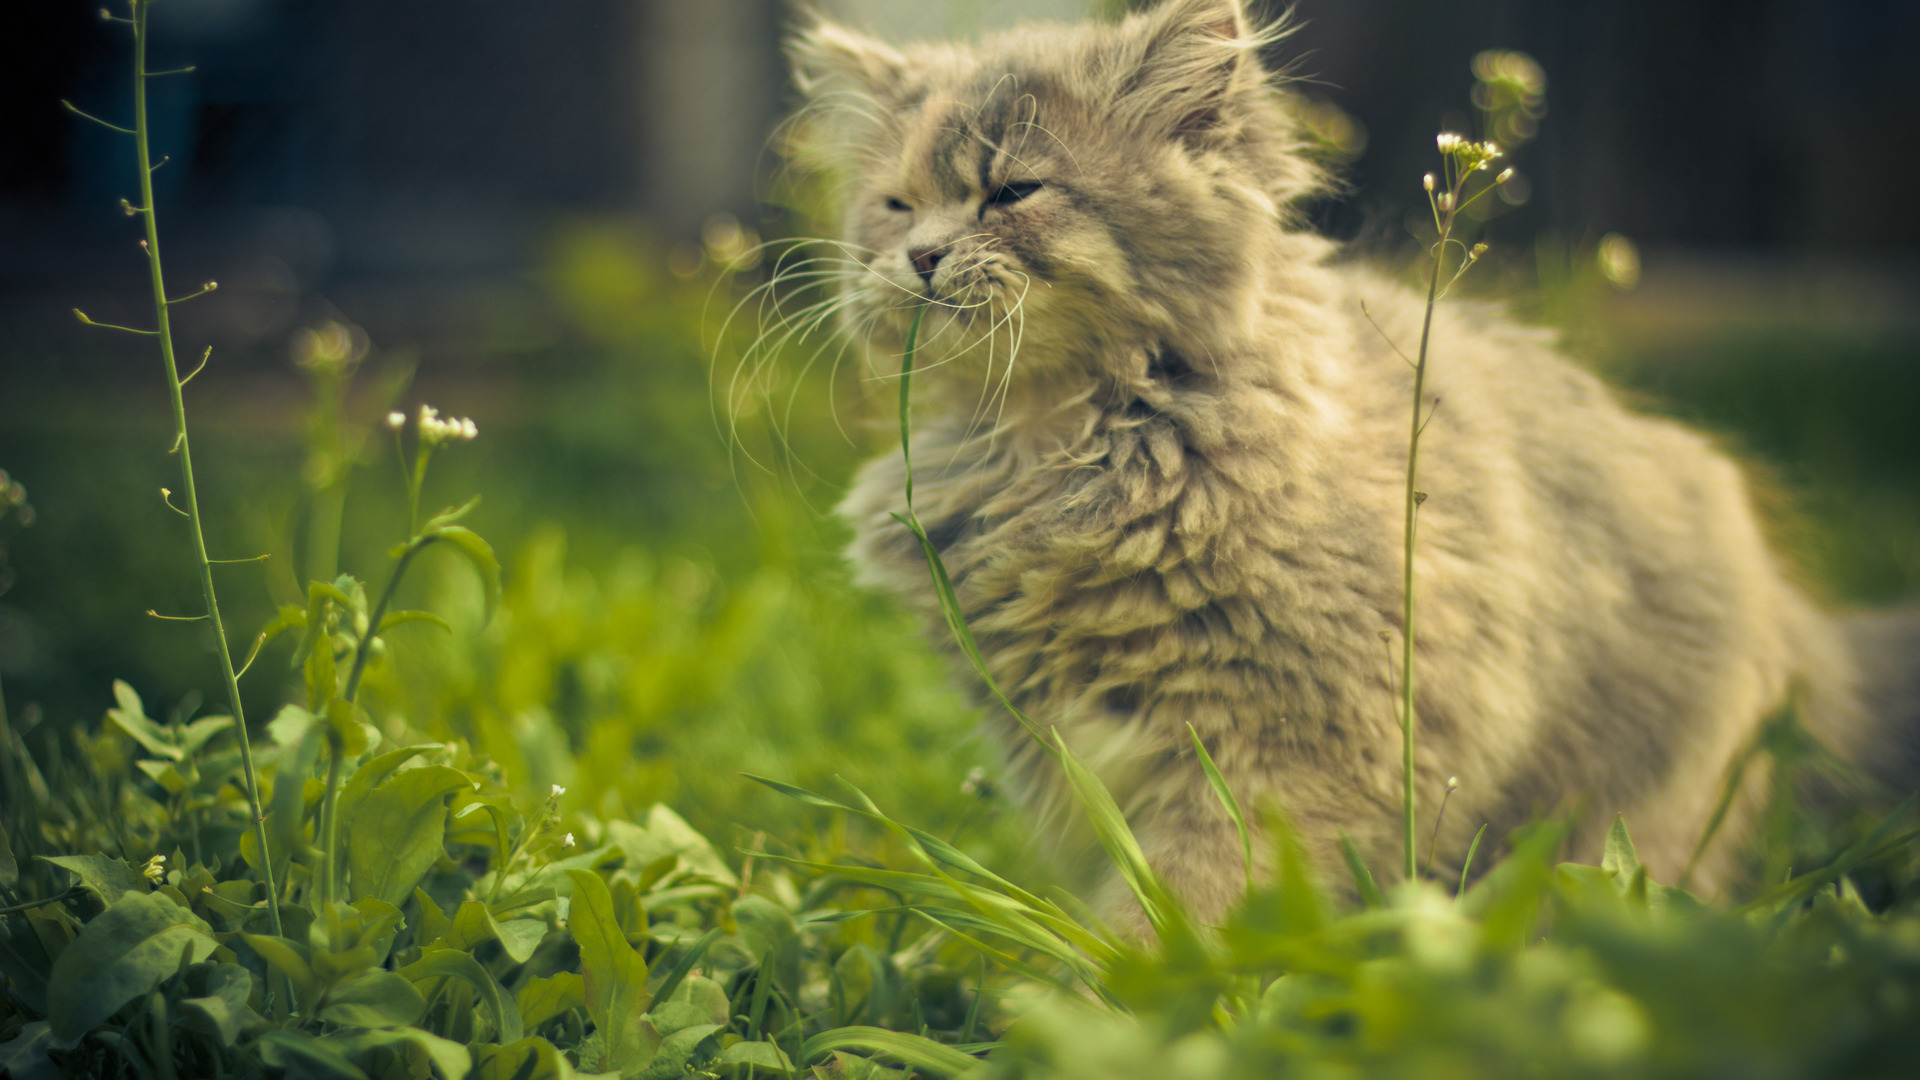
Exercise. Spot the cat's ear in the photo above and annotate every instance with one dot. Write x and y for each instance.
(828, 58)
(1187, 63)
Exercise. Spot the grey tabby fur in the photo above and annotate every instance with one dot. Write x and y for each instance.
(1161, 449)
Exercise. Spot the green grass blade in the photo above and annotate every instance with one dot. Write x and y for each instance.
(1225, 794)
(921, 1053)
(1362, 877)
(1466, 867)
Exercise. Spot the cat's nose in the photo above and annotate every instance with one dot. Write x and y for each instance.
(925, 260)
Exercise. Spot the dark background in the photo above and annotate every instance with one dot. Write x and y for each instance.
(495, 191)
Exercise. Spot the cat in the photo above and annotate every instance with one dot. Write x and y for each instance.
(1160, 445)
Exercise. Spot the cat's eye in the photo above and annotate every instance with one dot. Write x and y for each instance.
(1012, 192)
(899, 205)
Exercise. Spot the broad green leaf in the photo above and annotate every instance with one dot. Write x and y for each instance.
(769, 932)
(24, 1057)
(123, 953)
(374, 999)
(542, 999)
(288, 958)
(532, 1058)
(694, 1002)
(765, 1057)
(446, 964)
(449, 1059)
(616, 975)
(399, 830)
(301, 1055)
(479, 553)
(667, 833)
(921, 1053)
(164, 774)
(197, 734)
(109, 879)
(680, 1053)
(221, 1011)
(519, 937)
(131, 717)
(434, 923)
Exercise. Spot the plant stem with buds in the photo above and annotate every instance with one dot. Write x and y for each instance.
(189, 492)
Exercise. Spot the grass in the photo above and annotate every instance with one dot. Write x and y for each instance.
(467, 832)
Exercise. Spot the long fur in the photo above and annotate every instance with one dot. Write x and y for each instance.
(1161, 449)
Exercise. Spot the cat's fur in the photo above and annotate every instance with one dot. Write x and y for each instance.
(1180, 501)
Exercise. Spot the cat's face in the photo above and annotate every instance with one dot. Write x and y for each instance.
(1067, 192)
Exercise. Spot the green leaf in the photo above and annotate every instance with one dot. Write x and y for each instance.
(222, 1011)
(197, 734)
(1362, 877)
(682, 1052)
(447, 964)
(9, 867)
(374, 999)
(303, 1056)
(478, 552)
(399, 830)
(769, 932)
(1620, 859)
(123, 953)
(1227, 801)
(401, 618)
(1116, 836)
(685, 964)
(532, 1058)
(921, 1053)
(289, 958)
(667, 833)
(519, 937)
(24, 1057)
(542, 999)
(694, 1002)
(109, 879)
(131, 717)
(449, 517)
(448, 1058)
(765, 1057)
(616, 975)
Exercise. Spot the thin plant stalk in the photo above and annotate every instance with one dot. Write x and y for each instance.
(1462, 159)
(1410, 532)
(189, 492)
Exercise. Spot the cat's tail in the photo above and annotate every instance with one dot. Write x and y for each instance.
(1886, 655)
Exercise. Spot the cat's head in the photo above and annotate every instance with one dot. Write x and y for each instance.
(1080, 192)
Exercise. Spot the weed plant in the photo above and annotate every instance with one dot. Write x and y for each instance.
(416, 873)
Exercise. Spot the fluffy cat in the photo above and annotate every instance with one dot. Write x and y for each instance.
(1161, 449)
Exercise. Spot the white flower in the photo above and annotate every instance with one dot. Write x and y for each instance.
(435, 430)
(1505, 175)
(1449, 141)
(567, 841)
(558, 791)
(396, 420)
(1427, 181)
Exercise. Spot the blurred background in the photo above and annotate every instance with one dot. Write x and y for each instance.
(517, 213)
